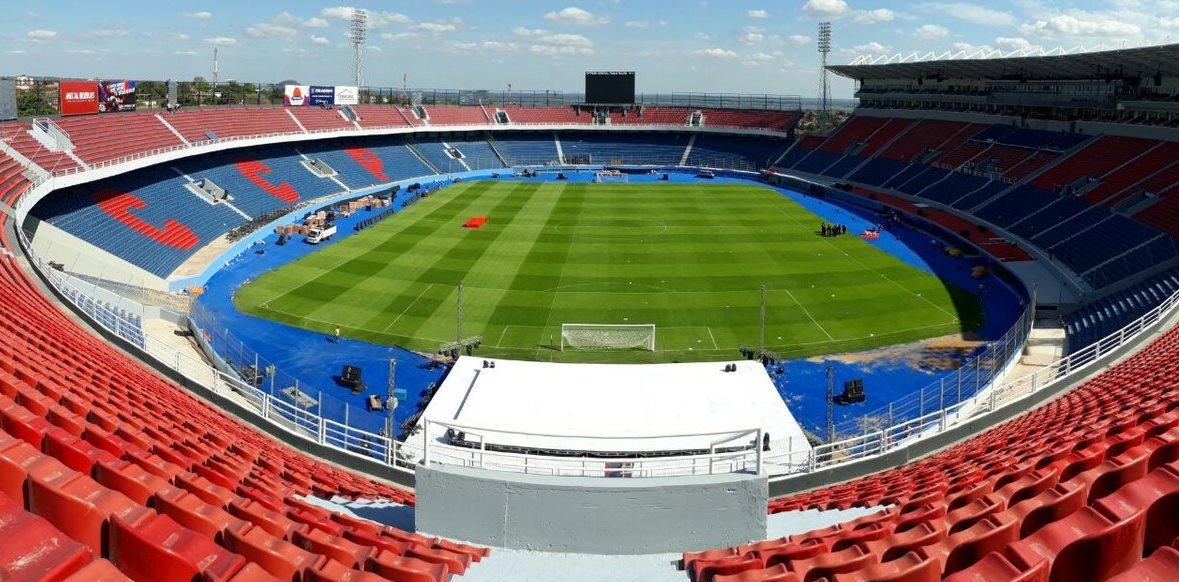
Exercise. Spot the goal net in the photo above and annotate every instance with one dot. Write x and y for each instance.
(610, 176)
(601, 337)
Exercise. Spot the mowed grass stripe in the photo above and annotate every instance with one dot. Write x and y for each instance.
(689, 258)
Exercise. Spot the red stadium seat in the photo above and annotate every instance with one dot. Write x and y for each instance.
(32, 549)
(282, 559)
(161, 550)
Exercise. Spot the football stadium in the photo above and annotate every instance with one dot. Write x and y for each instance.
(308, 331)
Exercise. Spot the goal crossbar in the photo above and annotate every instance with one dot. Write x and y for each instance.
(608, 336)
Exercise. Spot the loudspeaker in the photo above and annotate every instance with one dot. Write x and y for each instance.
(350, 375)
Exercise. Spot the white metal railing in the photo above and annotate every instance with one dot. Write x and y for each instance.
(303, 423)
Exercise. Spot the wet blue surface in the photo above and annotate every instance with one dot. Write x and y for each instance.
(316, 359)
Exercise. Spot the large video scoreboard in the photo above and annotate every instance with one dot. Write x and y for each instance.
(610, 87)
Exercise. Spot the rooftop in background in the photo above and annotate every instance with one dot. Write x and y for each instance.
(1054, 64)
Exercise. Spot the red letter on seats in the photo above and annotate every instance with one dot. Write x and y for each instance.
(368, 161)
(119, 206)
(253, 170)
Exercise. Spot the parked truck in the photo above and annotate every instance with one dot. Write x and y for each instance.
(318, 235)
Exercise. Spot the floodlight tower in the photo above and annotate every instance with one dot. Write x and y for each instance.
(358, 35)
(824, 77)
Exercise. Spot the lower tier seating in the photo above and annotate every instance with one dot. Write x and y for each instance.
(109, 472)
(1085, 487)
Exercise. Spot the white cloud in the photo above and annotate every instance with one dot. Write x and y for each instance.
(825, 8)
(800, 39)
(717, 53)
(562, 44)
(557, 51)
(701, 36)
(575, 40)
(1088, 25)
(221, 41)
(873, 16)
(435, 27)
(271, 30)
(201, 15)
(575, 15)
(873, 47)
(972, 13)
(41, 34)
(1016, 43)
(931, 32)
(109, 32)
(636, 24)
(315, 22)
(81, 51)
(759, 13)
(521, 31)
(185, 53)
(491, 46)
(752, 35)
(319, 40)
(14, 52)
(376, 18)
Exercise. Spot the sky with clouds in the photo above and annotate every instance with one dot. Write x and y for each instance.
(738, 46)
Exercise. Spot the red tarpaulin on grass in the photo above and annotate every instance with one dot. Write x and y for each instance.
(475, 222)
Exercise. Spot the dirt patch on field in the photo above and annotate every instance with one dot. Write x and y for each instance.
(931, 355)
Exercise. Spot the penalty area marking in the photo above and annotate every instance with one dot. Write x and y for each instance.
(808, 314)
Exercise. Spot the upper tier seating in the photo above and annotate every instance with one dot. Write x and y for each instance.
(17, 135)
(558, 115)
(1084, 487)
(755, 119)
(381, 116)
(98, 138)
(478, 154)
(451, 115)
(1100, 157)
(926, 135)
(12, 180)
(315, 118)
(109, 472)
(231, 122)
(857, 129)
(652, 116)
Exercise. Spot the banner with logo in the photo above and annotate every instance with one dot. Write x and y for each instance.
(78, 97)
(318, 95)
(347, 96)
(295, 95)
(116, 96)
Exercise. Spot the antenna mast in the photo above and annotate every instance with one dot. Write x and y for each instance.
(824, 77)
(358, 35)
(214, 66)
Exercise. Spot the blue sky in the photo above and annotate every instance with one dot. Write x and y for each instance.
(746, 46)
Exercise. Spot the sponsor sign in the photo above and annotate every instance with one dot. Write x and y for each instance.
(319, 95)
(116, 96)
(347, 96)
(296, 95)
(78, 97)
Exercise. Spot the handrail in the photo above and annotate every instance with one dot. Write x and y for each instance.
(381, 449)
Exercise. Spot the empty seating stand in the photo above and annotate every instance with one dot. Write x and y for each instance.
(108, 472)
(107, 136)
(1083, 487)
(196, 125)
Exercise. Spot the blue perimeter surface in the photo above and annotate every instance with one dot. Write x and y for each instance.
(315, 360)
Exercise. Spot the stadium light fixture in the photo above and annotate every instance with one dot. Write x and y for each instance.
(358, 35)
(824, 77)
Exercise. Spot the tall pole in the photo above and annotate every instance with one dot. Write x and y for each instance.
(458, 315)
(761, 342)
(824, 77)
(830, 404)
(358, 35)
(391, 399)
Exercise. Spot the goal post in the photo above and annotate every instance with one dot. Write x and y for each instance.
(610, 177)
(607, 336)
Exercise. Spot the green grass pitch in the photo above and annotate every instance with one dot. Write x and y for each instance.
(689, 258)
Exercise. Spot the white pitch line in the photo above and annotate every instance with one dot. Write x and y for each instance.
(501, 336)
(808, 314)
(714, 344)
(403, 311)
